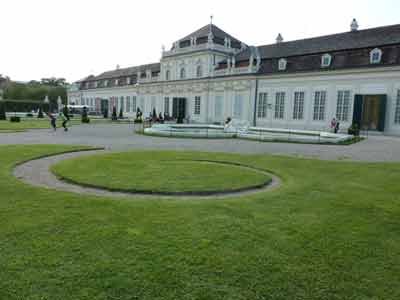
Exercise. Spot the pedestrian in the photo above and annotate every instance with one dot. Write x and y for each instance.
(334, 124)
(64, 119)
(52, 121)
(337, 127)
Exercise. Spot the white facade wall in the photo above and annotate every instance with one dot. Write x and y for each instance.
(365, 82)
(218, 96)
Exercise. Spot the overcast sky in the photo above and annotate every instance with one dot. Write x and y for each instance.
(75, 38)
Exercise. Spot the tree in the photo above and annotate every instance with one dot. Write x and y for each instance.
(53, 81)
(121, 113)
(105, 113)
(154, 116)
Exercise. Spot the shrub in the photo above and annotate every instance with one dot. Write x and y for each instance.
(354, 130)
(114, 114)
(85, 118)
(137, 121)
(105, 113)
(29, 115)
(2, 111)
(40, 113)
(15, 119)
(121, 114)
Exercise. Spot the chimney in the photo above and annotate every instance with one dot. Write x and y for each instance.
(354, 25)
(279, 39)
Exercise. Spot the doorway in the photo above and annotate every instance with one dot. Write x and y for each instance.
(179, 109)
(370, 112)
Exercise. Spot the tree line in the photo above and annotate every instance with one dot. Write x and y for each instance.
(35, 90)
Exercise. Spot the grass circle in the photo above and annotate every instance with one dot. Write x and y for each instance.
(166, 173)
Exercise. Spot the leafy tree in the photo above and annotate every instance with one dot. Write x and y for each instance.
(121, 113)
(105, 113)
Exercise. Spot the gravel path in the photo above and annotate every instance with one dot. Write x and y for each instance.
(37, 172)
(121, 137)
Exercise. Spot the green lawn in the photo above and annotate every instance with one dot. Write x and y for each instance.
(332, 231)
(35, 123)
(168, 173)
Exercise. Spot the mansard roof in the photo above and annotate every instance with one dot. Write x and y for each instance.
(368, 38)
(124, 72)
(219, 35)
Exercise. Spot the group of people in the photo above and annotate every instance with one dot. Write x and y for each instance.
(53, 120)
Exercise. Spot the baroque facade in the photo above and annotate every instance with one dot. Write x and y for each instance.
(209, 76)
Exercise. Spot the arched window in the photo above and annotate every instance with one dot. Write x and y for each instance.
(199, 71)
(282, 64)
(375, 56)
(326, 60)
(183, 73)
(167, 75)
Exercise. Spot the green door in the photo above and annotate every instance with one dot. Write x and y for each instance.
(382, 112)
(358, 108)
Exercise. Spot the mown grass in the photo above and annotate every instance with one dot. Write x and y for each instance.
(158, 172)
(34, 123)
(332, 231)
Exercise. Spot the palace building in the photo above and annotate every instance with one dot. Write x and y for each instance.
(209, 75)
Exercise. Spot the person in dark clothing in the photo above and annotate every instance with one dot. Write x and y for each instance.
(337, 127)
(52, 121)
(65, 120)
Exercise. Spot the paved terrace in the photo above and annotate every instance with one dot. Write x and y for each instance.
(121, 137)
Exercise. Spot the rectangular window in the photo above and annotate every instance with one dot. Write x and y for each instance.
(128, 103)
(197, 104)
(153, 103)
(218, 109)
(280, 105)
(237, 108)
(343, 106)
(298, 106)
(121, 107)
(141, 106)
(134, 109)
(262, 105)
(397, 111)
(319, 105)
(166, 106)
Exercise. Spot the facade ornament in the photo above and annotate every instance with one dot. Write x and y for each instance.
(279, 38)
(354, 25)
(210, 38)
(226, 42)
(194, 41)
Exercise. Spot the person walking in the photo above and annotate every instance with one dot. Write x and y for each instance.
(52, 121)
(64, 119)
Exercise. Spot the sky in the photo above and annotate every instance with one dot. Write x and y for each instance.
(75, 38)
